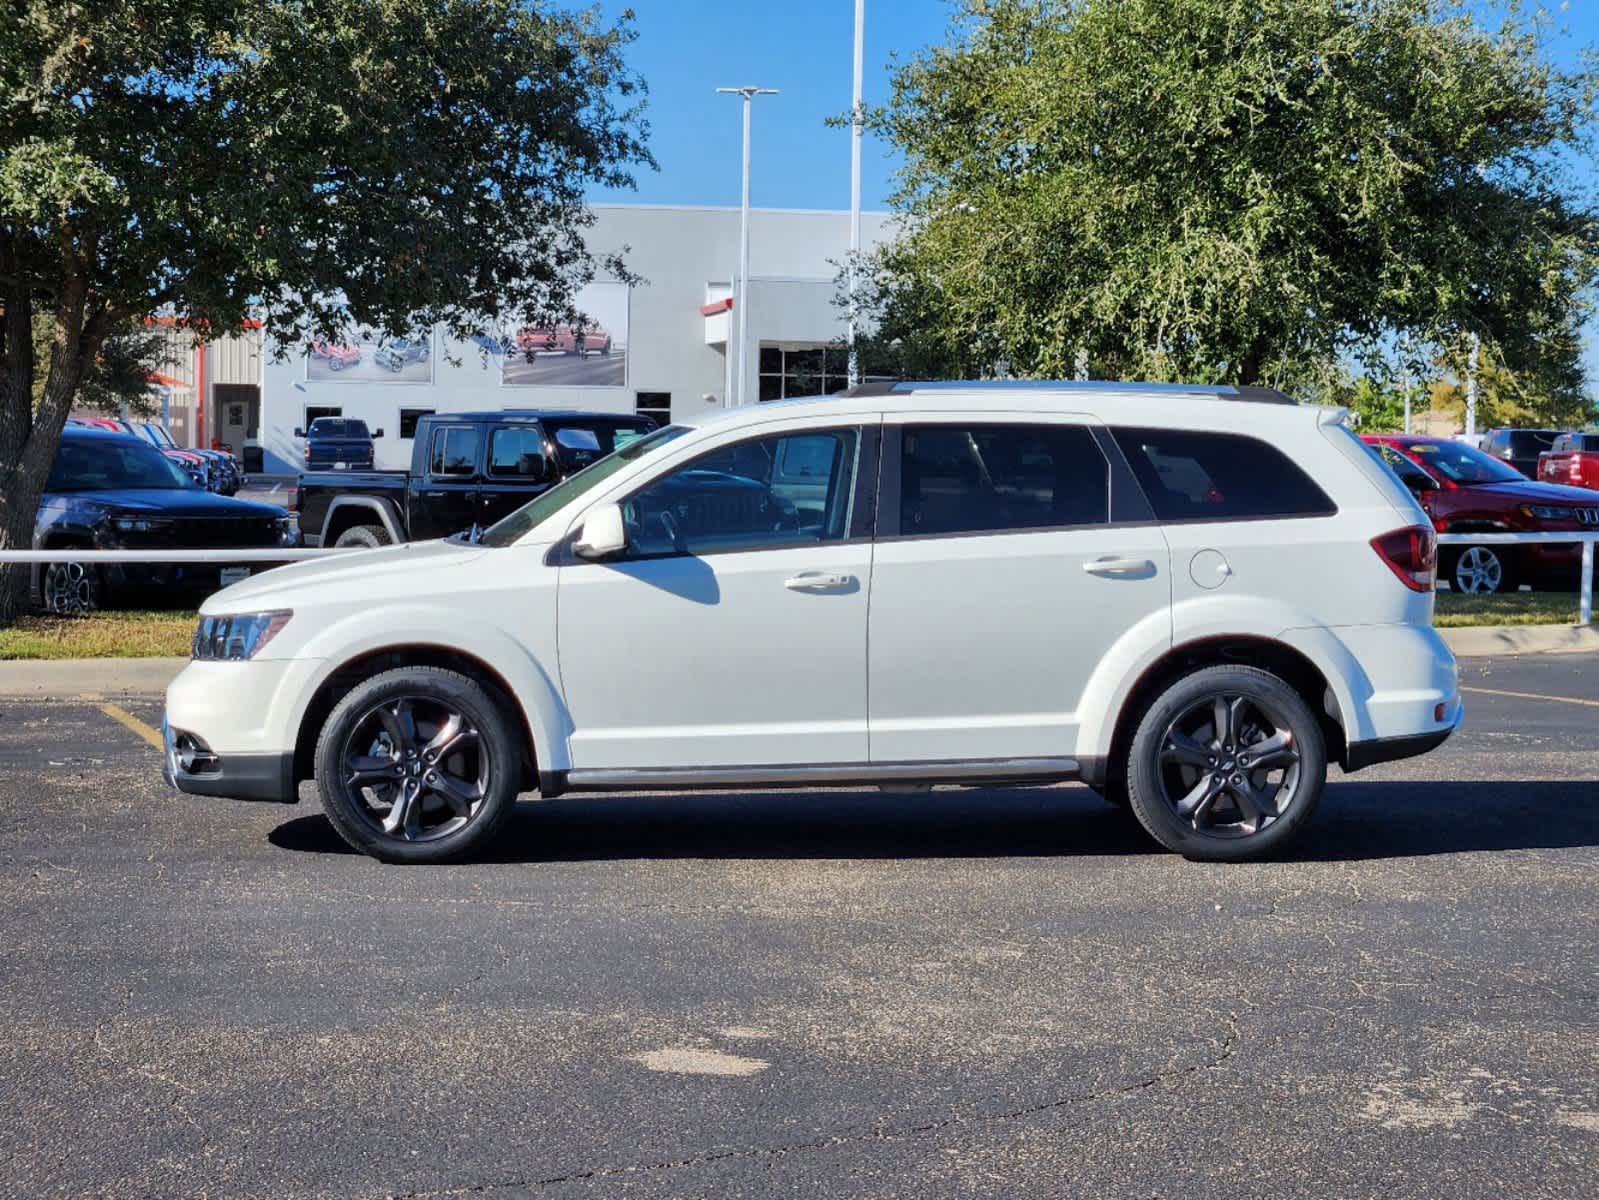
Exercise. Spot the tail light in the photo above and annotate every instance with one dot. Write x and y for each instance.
(1576, 469)
(1411, 554)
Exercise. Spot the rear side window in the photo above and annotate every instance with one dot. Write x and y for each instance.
(997, 478)
(1191, 475)
(454, 450)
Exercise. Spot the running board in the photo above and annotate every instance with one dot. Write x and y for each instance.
(979, 770)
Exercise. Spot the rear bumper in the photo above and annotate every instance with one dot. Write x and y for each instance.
(268, 777)
(1360, 755)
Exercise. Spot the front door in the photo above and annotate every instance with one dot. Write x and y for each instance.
(998, 586)
(445, 500)
(733, 633)
(516, 469)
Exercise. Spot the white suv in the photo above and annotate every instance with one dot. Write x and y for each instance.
(1190, 599)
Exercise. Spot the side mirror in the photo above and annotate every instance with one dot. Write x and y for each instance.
(376, 433)
(298, 432)
(604, 535)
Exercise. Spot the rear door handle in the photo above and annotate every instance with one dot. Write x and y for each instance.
(1120, 566)
(818, 581)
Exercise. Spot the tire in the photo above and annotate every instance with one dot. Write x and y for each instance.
(1177, 762)
(384, 795)
(1481, 570)
(68, 588)
(371, 536)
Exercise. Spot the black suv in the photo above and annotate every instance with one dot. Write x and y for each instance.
(110, 491)
(1521, 447)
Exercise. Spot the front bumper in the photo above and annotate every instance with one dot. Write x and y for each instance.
(189, 765)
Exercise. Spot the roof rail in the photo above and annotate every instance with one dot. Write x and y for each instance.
(1209, 391)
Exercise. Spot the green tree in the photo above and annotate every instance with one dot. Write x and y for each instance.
(1234, 190)
(398, 163)
(119, 376)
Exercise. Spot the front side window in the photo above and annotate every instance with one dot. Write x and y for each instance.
(517, 451)
(999, 477)
(1193, 475)
(742, 497)
(454, 450)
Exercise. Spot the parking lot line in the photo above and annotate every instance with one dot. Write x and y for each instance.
(1532, 696)
(122, 715)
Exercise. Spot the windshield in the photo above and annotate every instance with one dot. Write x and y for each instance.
(159, 435)
(112, 466)
(338, 427)
(1459, 463)
(509, 530)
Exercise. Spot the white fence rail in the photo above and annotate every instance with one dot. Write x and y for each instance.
(277, 554)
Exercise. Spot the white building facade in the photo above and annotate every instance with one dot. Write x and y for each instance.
(663, 346)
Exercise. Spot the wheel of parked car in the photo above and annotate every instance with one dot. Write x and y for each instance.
(419, 765)
(70, 587)
(1227, 764)
(1480, 570)
(364, 535)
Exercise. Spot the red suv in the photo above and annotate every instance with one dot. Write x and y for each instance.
(1464, 490)
(1573, 459)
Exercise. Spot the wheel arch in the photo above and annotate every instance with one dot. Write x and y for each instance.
(346, 512)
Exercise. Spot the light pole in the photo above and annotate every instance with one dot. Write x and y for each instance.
(855, 133)
(741, 300)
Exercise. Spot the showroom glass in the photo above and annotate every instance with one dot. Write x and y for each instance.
(1462, 464)
(992, 478)
(101, 467)
(1194, 476)
(454, 450)
(767, 493)
(512, 527)
(518, 451)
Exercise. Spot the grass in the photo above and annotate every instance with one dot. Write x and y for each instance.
(100, 635)
(1456, 611)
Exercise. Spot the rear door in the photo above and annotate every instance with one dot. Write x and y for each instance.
(446, 497)
(1006, 565)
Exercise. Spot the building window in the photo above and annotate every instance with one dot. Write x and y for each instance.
(803, 371)
(408, 419)
(313, 411)
(657, 406)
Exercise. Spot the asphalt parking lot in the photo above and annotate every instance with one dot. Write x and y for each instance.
(962, 994)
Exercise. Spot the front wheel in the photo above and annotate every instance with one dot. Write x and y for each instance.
(1481, 570)
(418, 765)
(1226, 765)
(67, 588)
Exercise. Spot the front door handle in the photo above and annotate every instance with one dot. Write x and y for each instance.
(1120, 566)
(818, 581)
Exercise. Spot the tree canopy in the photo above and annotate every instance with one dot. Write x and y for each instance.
(1236, 191)
(397, 163)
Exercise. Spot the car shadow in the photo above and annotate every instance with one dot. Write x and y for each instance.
(1357, 821)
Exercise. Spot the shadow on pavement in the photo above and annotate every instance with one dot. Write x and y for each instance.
(1356, 821)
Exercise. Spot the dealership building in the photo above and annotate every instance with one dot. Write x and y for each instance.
(660, 346)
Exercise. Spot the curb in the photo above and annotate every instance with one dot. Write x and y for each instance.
(1521, 639)
(75, 678)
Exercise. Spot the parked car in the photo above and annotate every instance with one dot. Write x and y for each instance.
(1468, 491)
(1520, 447)
(564, 339)
(337, 355)
(398, 353)
(467, 469)
(192, 463)
(111, 490)
(915, 585)
(339, 443)
(1572, 459)
(224, 476)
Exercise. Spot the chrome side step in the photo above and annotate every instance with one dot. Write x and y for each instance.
(980, 770)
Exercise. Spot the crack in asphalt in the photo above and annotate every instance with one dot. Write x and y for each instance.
(1226, 1048)
(146, 1072)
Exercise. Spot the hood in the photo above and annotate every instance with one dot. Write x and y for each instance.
(1529, 491)
(172, 502)
(373, 571)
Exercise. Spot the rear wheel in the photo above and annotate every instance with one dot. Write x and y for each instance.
(419, 765)
(371, 536)
(1227, 765)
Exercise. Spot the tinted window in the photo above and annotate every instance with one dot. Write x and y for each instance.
(1197, 476)
(976, 478)
(1527, 442)
(454, 450)
(408, 419)
(738, 498)
(517, 450)
(1460, 463)
(103, 466)
(339, 427)
(579, 442)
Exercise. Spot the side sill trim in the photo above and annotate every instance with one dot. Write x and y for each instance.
(983, 770)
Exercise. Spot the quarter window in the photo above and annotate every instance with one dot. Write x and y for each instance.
(752, 495)
(1191, 475)
(996, 478)
(454, 450)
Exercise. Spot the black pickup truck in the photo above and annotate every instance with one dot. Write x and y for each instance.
(466, 469)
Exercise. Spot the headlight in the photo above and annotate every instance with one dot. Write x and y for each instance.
(139, 525)
(288, 531)
(237, 637)
(1545, 512)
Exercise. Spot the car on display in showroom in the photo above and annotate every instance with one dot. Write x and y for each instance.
(916, 584)
(110, 490)
(467, 469)
(340, 443)
(1572, 459)
(564, 339)
(398, 353)
(1463, 490)
(1520, 447)
(337, 356)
